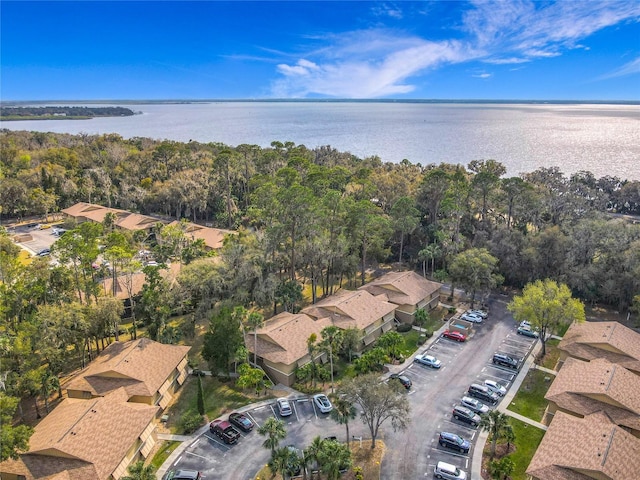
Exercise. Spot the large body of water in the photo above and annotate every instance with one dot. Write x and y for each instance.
(603, 139)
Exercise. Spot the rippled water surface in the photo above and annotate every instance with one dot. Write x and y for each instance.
(604, 139)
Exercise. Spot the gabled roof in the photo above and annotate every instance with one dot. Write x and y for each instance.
(137, 281)
(610, 340)
(140, 366)
(586, 448)
(212, 237)
(91, 211)
(283, 338)
(349, 309)
(88, 438)
(588, 387)
(402, 288)
(136, 221)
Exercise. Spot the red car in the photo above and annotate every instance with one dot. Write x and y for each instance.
(457, 336)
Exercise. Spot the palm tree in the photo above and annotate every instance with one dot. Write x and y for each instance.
(274, 430)
(335, 457)
(501, 469)
(509, 436)
(138, 471)
(495, 423)
(255, 321)
(280, 460)
(331, 340)
(313, 451)
(343, 411)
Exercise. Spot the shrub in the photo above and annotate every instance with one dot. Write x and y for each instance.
(422, 339)
(306, 388)
(190, 421)
(428, 333)
(404, 327)
(452, 310)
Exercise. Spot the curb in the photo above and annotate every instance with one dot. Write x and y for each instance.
(476, 463)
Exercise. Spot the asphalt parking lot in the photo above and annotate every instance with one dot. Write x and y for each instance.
(216, 460)
(41, 239)
(413, 454)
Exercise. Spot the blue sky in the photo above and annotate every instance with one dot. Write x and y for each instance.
(77, 50)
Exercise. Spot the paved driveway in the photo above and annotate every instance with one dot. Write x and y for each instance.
(413, 453)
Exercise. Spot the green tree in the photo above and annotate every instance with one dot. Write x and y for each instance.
(379, 402)
(140, 471)
(154, 304)
(285, 461)
(546, 305)
(406, 218)
(222, 340)
(274, 430)
(350, 342)
(331, 341)
(501, 469)
(430, 252)
(494, 422)
(313, 452)
(289, 295)
(14, 439)
(421, 317)
(250, 377)
(475, 269)
(343, 412)
(390, 342)
(334, 457)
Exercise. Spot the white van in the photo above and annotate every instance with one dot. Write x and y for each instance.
(449, 472)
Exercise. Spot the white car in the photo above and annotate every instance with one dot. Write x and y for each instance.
(495, 387)
(480, 313)
(525, 324)
(428, 360)
(322, 403)
(284, 407)
(471, 317)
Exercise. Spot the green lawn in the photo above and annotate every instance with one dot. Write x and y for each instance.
(219, 397)
(553, 353)
(166, 448)
(527, 440)
(410, 344)
(529, 401)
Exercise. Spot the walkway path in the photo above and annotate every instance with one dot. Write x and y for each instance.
(476, 464)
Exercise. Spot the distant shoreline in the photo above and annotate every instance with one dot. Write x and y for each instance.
(318, 100)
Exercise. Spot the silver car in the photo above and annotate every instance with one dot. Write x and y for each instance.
(474, 405)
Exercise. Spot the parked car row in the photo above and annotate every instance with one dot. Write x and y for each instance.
(226, 430)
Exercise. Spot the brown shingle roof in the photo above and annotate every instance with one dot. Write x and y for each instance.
(137, 281)
(283, 338)
(402, 288)
(585, 448)
(610, 340)
(91, 211)
(348, 309)
(587, 387)
(136, 221)
(213, 237)
(93, 436)
(140, 366)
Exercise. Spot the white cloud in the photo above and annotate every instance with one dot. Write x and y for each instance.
(367, 64)
(482, 75)
(629, 68)
(387, 10)
(377, 63)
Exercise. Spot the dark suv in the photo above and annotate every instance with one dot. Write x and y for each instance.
(456, 442)
(483, 393)
(505, 361)
(465, 415)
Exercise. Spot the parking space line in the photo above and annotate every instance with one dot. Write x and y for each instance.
(295, 410)
(273, 410)
(178, 460)
(500, 379)
(194, 443)
(460, 425)
(449, 452)
(216, 441)
(502, 369)
(259, 408)
(196, 455)
(253, 419)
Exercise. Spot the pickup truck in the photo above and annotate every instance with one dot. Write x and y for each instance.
(225, 431)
